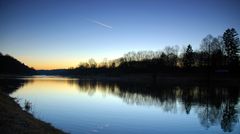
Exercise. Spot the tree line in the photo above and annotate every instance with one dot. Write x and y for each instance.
(216, 54)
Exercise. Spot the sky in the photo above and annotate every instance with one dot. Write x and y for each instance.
(52, 34)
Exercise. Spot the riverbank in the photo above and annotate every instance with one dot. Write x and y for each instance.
(14, 120)
(220, 79)
(167, 78)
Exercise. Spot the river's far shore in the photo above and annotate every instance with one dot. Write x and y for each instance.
(220, 79)
(166, 79)
(14, 120)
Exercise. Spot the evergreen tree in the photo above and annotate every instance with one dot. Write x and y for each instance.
(231, 42)
(188, 58)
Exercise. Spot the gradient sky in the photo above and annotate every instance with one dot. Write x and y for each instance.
(49, 34)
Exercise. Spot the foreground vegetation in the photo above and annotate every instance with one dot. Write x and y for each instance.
(14, 120)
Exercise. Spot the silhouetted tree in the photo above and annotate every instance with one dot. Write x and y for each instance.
(211, 57)
(188, 58)
(172, 55)
(206, 43)
(217, 52)
(231, 42)
(212, 52)
(201, 59)
(92, 63)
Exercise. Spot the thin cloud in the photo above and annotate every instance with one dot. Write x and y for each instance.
(101, 24)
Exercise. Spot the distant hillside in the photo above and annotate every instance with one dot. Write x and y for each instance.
(53, 72)
(10, 65)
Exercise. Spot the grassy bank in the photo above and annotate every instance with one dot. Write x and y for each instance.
(13, 120)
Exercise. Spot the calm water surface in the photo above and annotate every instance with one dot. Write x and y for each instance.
(85, 106)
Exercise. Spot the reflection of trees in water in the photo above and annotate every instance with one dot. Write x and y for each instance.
(226, 115)
(90, 87)
(214, 106)
(230, 114)
(229, 118)
(219, 107)
(10, 85)
(209, 116)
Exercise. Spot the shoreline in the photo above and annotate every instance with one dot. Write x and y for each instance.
(164, 79)
(156, 79)
(13, 119)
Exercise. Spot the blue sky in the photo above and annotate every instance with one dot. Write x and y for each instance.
(49, 34)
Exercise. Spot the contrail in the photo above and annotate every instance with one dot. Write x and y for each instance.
(101, 24)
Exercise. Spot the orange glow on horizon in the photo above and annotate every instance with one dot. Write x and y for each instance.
(52, 63)
(48, 64)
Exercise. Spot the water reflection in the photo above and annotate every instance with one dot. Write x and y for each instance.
(213, 105)
(9, 85)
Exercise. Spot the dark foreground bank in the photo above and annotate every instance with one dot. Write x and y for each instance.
(13, 120)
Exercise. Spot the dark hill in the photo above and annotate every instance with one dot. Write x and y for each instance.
(10, 65)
